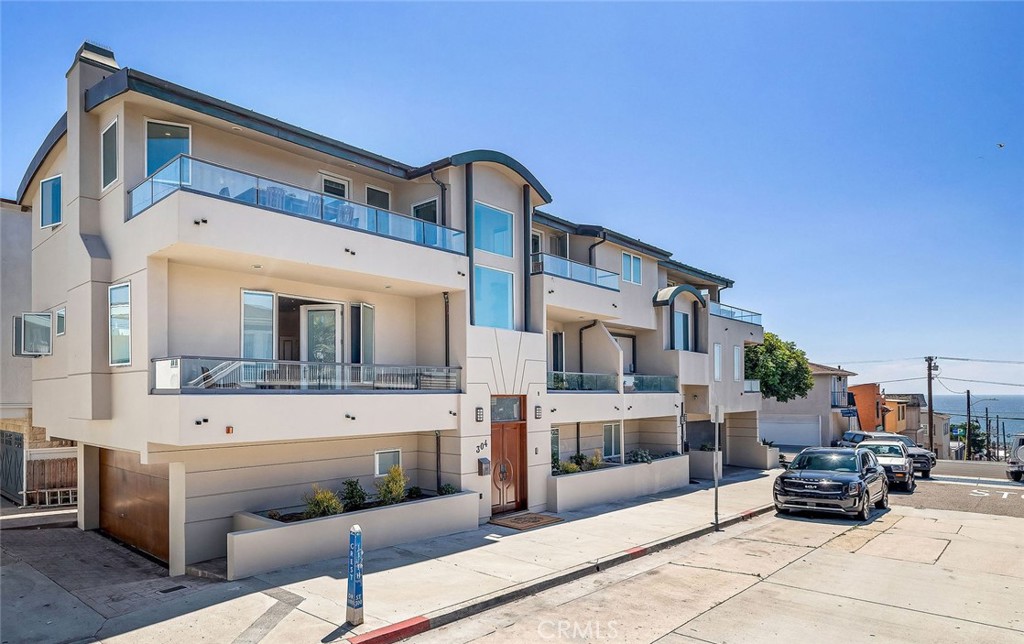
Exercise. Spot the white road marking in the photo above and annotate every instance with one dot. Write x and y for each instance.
(1015, 488)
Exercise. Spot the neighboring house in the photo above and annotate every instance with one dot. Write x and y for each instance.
(941, 446)
(915, 412)
(252, 308)
(34, 470)
(816, 420)
(894, 412)
(870, 403)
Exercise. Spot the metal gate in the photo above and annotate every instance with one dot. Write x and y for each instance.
(12, 466)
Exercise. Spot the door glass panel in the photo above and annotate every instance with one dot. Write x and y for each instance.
(258, 325)
(557, 352)
(426, 211)
(163, 143)
(367, 333)
(682, 331)
(321, 335)
(505, 408)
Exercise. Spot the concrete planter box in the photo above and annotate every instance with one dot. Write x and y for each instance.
(568, 492)
(259, 544)
(749, 452)
(701, 464)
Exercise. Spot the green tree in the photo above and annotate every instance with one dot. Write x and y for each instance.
(976, 438)
(781, 367)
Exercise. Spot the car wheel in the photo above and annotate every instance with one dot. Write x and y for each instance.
(1016, 476)
(926, 474)
(863, 513)
(883, 502)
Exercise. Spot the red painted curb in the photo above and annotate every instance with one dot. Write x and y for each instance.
(393, 632)
(636, 552)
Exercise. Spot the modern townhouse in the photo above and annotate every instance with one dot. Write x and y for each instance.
(816, 420)
(250, 308)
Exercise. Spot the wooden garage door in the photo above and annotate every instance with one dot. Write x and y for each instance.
(134, 502)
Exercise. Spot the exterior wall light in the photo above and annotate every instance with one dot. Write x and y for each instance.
(537, 412)
(479, 414)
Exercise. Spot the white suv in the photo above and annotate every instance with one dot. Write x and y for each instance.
(1015, 458)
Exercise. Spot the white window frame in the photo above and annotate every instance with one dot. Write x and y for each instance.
(737, 363)
(145, 139)
(60, 318)
(43, 226)
(110, 357)
(512, 230)
(617, 432)
(512, 294)
(117, 157)
(19, 351)
(366, 196)
(241, 321)
(539, 234)
(376, 460)
(336, 178)
(634, 279)
(718, 362)
(437, 209)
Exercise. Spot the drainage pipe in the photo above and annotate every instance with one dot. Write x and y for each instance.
(447, 330)
(590, 251)
(444, 192)
(437, 453)
(582, 329)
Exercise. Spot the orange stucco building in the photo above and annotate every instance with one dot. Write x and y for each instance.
(870, 403)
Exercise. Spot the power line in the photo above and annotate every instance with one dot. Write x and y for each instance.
(985, 382)
(882, 382)
(958, 393)
(975, 416)
(922, 358)
(874, 361)
(981, 360)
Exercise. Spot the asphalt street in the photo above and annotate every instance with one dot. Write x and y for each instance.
(1002, 498)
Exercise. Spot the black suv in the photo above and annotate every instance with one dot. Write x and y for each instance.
(853, 438)
(833, 479)
(924, 460)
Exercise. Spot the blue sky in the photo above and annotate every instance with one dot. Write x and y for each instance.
(838, 161)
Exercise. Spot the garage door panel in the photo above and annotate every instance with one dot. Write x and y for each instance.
(792, 430)
(134, 502)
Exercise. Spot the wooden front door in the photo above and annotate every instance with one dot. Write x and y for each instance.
(508, 467)
(134, 501)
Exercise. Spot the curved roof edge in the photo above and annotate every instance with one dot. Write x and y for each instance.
(486, 156)
(59, 129)
(667, 295)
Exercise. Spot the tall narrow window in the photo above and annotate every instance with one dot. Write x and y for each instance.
(558, 245)
(558, 351)
(108, 154)
(164, 141)
(718, 362)
(60, 321)
(681, 324)
(556, 454)
(50, 208)
(492, 230)
(631, 268)
(257, 325)
(492, 297)
(378, 198)
(426, 211)
(363, 333)
(119, 299)
(737, 363)
(536, 243)
(612, 441)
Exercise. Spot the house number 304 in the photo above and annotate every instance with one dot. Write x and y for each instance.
(481, 447)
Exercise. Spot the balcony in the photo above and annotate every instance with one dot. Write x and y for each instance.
(575, 271)
(642, 383)
(751, 386)
(206, 375)
(842, 399)
(187, 174)
(734, 313)
(559, 381)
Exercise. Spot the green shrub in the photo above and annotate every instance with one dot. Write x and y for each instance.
(595, 461)
(415, 492)
(353, 495)
(391, 488)
(672, 453)
(639, 456)
(321, 502)
(568, 467)
(579, 460)
(447, 488)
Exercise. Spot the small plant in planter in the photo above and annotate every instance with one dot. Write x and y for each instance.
(446, 489)
(579, 460)
(353, 496)
(594, 462)
(568, 467)
(321, 502)
(707, 447)
(391, 488)
(672, 453)
(767, 443)
(414, 492)
(639, 456)
(274, 515)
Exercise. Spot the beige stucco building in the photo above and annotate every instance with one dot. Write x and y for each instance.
(816, 420)
(252, 308)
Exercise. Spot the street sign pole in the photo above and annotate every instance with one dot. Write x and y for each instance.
(354, 605)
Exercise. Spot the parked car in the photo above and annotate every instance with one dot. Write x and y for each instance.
(1015, 458)
(924, 460)
(852, 438)
(833, 479)
(893, 456)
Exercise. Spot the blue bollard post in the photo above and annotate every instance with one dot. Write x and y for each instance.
(354, 609)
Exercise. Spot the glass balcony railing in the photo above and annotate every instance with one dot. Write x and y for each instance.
(751, 386)
(193, 374)
(565, 381)
(734, 313)
(202, 177)
(570, 270)
(642, 383)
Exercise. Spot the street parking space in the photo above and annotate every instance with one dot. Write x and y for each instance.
(1004, 498)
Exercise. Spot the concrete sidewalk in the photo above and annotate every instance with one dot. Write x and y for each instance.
(413, 587)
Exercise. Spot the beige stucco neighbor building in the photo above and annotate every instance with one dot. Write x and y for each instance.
(252, 308)
(816, 420)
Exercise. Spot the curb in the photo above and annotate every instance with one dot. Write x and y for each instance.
(423, 623)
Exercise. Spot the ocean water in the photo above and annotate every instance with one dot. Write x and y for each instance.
(1010, 409)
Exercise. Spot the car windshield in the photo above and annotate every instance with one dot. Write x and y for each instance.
(831, 461)
(884, 450)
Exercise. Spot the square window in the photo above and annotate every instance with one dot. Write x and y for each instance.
(378, 198)
(492, 296)
(61, 313)
(612, 441)
(631, 268)
(36, 334)
(426, 211)
(492, 230)
(164, 141)
(384, 460)
(50, 208)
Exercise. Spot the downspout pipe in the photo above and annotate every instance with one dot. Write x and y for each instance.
(437, 454)
(527, 238)
(470, 241)
(444, 193)
(578, 452)
(590, 251)
(582, 329)
(447, 330)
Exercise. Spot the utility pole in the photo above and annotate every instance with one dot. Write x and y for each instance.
(931, 405)
(988, 436)
(967, 428)
(1006, 451)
